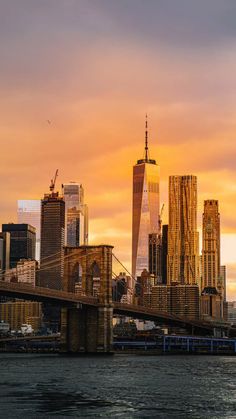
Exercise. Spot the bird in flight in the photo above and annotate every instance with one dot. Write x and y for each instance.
(49, 122)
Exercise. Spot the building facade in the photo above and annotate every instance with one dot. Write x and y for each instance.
(26, 271)
(29, 212)
(155, 256)
(146, 196)
(17, 313)
(210, 244)
(52, 241)
(183, 237)
(4, 252)
(76, 224)
(22, 242)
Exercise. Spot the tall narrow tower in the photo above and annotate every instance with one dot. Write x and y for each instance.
(210, 244)
(52, 240)
(183, 238)
(146, 195)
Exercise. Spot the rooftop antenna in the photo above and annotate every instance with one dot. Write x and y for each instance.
(146, 139)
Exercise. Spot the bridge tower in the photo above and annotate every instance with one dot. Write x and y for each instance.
(88, 272)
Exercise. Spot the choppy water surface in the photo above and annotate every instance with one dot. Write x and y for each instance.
(41, 386)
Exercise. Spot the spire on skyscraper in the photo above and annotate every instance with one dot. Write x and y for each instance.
(146, 139)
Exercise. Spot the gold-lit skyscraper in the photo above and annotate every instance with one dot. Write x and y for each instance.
(183, 238)
(146, 175)
(211, 245)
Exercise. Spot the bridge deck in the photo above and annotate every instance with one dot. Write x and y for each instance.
(59, 297)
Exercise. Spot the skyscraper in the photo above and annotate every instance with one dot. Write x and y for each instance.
(212, 297)
(28, 212)
(52, 240)
(183, 238)
(76, 227)
(210, 244)
(155, 256)
(146, 175)
(22, 242)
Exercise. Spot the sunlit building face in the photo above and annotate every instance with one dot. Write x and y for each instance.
(146, 178)
(183, 238)
(211, 244)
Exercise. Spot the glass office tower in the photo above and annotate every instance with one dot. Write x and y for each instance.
(76, 224)
(28, 212)
(146, 196)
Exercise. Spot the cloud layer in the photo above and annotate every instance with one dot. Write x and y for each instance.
(94, 68)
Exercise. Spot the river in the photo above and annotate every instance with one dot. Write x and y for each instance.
(122, 386)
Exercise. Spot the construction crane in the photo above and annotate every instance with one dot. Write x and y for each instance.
(53, 182)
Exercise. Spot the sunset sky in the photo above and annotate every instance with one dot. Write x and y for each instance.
(94, 68)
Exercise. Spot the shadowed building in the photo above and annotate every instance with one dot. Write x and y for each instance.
(52, 240)
(145, 209)
(183, 239)
(164, 253)
(22, 242)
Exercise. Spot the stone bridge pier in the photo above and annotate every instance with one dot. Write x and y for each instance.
(88, 272)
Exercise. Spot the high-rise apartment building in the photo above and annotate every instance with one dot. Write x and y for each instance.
(211, 245)
(22, 242)
(183, 238)
(146, 176)
(28, 212)
(76, 221)
(52, 241)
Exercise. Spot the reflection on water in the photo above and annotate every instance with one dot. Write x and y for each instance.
(34, 386)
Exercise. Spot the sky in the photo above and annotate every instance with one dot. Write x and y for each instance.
(94, 69)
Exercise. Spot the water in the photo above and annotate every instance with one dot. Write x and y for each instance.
(47, 386)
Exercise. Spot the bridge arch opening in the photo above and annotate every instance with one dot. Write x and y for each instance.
(76, 277)
(96, 278)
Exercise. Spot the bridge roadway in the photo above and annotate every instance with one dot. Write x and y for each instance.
(67, 299)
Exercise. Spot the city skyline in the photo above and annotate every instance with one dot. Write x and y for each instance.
(181, 71)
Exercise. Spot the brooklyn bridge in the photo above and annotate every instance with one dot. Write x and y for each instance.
(86, 317)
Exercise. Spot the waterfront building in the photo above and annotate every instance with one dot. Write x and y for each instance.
(76, 224)
(52, 241)
(184, 301)
(29, 212)
(232, 312)
(183, 238)
(20, 312)
(145, 220)
(160, 298)
(22, 242)
(176, 299)
(211, 303)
